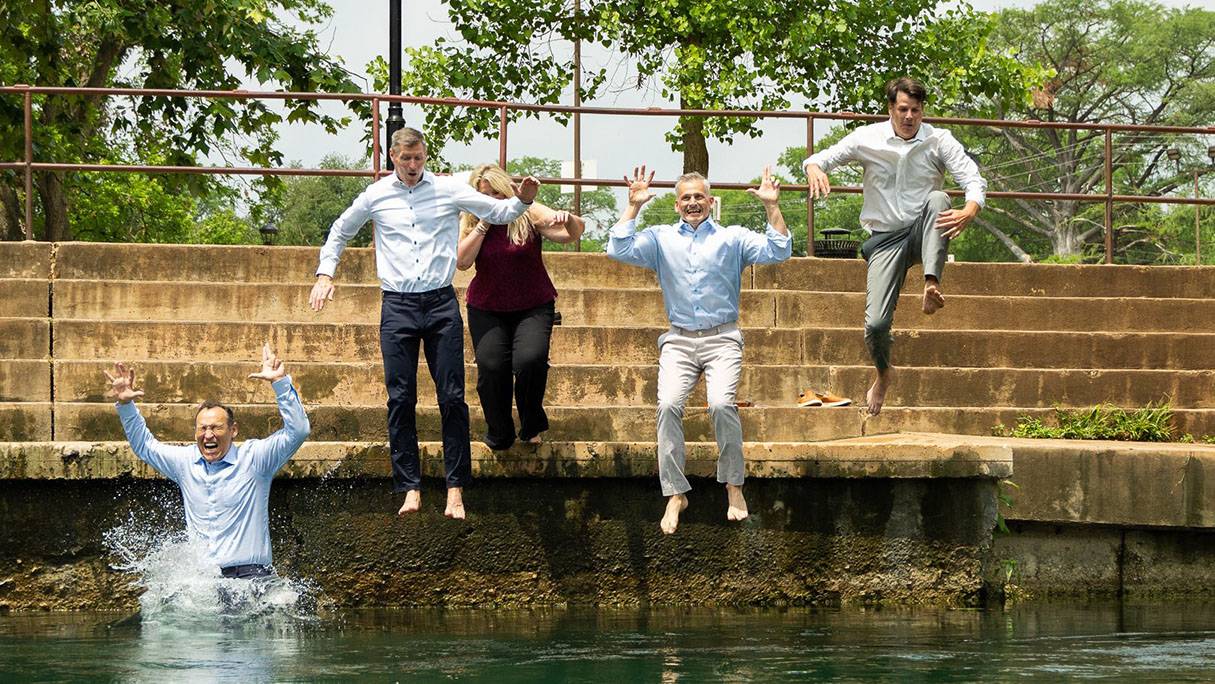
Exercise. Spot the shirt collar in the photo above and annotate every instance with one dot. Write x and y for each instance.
(705, 224)
(427, 177)
(229, 458)
(920, 135)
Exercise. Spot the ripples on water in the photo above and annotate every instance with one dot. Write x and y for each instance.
(198, 626)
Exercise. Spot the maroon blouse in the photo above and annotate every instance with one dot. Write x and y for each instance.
(509, 277)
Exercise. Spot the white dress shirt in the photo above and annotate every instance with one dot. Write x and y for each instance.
(227, 502)
(416, 229)
(699, 270)
(899, 173)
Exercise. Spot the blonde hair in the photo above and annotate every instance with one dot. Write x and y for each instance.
(521, 229)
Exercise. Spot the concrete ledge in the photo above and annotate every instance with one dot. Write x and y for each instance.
(25, 338)
(1112, 483)
(26, 421)
(26, 259)
(891, 456)
(24, 380)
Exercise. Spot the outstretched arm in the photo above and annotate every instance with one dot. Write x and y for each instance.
(965, 171)
(638, 249)
(164, 458)
(776, 245)
(271, 453)
(558, 226)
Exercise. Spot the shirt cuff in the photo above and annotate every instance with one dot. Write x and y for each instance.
(977, 196)
(624, 229)
(282, 385)
(816, 159)
(777, 236)
(326, 269)
(126, 410)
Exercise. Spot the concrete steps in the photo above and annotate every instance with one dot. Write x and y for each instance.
(171, 300)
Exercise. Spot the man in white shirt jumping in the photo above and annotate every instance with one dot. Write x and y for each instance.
(909, 217)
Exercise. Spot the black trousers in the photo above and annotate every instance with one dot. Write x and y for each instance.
(432, 319)
(512, 346)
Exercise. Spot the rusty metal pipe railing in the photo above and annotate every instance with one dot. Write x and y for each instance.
(1108, 197)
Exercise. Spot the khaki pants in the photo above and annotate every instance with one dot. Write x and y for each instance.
(683, 357)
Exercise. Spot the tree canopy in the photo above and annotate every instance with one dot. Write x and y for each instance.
(177, 44)
(707, 54)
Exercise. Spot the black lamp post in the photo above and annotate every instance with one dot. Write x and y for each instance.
(268, 233)
(396, 120)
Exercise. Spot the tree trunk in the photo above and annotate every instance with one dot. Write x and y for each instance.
(1007, 241)
(54, 206)
(695, 151)
(10, 214)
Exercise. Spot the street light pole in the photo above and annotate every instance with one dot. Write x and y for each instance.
(396, 120)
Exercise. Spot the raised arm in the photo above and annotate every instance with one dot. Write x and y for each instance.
(271, 453)
(776, 245)
(624, 244)
(819, 164)
(495, 211)
(143, 443)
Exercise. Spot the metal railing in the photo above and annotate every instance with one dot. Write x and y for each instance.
(28, 166)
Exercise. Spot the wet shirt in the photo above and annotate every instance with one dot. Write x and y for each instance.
(227, 502)
(416, 229)
(699, 271)
(899, 174)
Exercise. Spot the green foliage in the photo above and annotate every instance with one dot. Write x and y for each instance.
(706, 54)
(307, 206)
(1120, 61)
(1153, 423)
(181, 44)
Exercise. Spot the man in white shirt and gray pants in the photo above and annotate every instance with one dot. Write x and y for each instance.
(910, 218)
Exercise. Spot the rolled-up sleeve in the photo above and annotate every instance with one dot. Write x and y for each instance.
(343, 229)
(631, 247)
(272, 452)
(964, 170)
(770, 248)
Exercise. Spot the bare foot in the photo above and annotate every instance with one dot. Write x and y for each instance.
(455, 504)
(413, 502)
(535, 441)
(876, 395)
(737, 508)
(933, 299)
(670, 520)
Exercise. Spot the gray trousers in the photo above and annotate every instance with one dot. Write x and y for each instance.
(890, 255)
(681, 361)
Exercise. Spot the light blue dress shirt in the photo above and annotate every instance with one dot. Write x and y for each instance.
(699, 271)
(416, 229)
(227, 502)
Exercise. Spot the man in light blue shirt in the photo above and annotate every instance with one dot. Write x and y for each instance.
(417, 229)
(699, 265)
(225, 486)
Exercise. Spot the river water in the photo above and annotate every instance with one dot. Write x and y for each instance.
(1110, 642)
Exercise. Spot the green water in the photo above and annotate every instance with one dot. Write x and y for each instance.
(1166, 643)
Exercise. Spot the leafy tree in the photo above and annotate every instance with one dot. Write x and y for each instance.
(1119, 61)
(153, 44)
(706, 54)
(306, 206)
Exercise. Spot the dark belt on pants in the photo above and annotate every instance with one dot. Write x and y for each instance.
(246, 571)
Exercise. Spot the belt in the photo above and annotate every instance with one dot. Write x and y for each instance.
(247, 571)
(706, 332)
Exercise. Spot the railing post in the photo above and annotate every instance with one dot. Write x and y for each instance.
(578, 122)
(28, 103)
(1197, 224)
(502, 137)
(809, 195)
(375, 138)
(1109, 197)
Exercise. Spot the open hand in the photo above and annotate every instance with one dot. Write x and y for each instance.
(820, 185)
(272, 366)
(321, 292)
(769, 188)
(952, 222)
(122, 383)
(528, 187)
(639, 186)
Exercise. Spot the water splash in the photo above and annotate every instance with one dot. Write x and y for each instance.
(180, 585)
